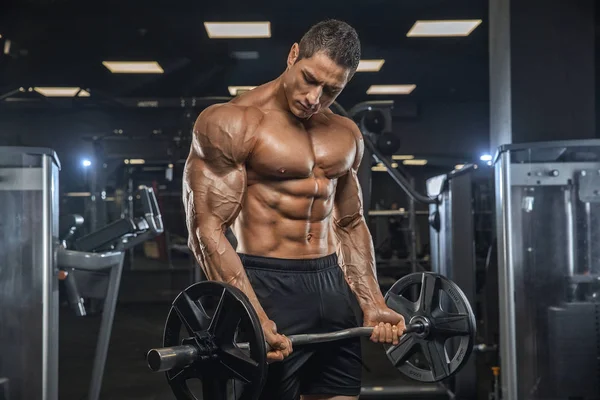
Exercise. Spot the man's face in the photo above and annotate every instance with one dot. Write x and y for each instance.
(312, 84)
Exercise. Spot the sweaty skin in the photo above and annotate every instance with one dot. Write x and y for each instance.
(282, 172)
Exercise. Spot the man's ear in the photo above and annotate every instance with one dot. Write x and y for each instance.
(293, 55)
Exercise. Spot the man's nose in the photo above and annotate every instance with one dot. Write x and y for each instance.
(314, 96)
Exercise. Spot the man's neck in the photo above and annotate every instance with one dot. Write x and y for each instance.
(280, 99)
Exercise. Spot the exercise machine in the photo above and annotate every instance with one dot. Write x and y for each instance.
(33, 258)
(92, 269)
(548, 206)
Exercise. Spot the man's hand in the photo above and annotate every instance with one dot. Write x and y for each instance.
(388, 325)
(281, 346)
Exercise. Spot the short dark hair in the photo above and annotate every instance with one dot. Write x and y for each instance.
(335, 38)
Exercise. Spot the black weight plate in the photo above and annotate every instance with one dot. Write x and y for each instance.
(221, 311)
(442, 326)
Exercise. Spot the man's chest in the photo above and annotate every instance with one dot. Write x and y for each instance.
(288, 149)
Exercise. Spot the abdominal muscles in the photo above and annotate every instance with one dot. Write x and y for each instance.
(287, 219)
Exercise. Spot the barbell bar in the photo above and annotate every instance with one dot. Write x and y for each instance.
(167, 358)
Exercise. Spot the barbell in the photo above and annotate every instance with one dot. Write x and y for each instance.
(228, 343)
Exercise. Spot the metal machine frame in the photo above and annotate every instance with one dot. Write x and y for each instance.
(28, 284)
(510, 172)
(453, 250)
(107, 261)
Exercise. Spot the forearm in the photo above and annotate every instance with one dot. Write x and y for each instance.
(357, 259)
(219, 261)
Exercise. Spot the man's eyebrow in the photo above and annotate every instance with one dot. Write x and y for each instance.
(312, 77)
(309, 75)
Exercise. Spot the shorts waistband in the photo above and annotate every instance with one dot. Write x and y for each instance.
(288, 264)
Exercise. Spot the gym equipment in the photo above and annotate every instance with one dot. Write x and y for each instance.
(29, 294)
(93, 270)
(228, 343)
(548, 207)
(460, 237)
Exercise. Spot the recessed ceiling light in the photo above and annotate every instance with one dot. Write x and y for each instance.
(402, 157)
(62, 91)
(133, 67)
(391, 89)
(238, 30)
(414, 162)
(443, 28)
(370, 65)
(78, 194)
(379, 168)
(235, 90)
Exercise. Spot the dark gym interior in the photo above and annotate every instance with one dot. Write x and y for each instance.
(480, 188)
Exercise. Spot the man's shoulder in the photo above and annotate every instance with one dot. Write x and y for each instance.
(231, 115)
(225, 133)
(344, 122)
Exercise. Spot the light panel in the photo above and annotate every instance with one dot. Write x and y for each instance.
(391, 89)
(414, 162)
(235, 90)
(402, 157)
(370, 65)
(238, 30)
(61, 91)
(78, 194)
(379, 168)
(133, 67)
(444, 28)
(459, 166)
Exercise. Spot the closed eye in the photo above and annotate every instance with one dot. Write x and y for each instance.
(309, 80)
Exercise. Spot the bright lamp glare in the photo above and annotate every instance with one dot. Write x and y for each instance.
(86, 163)
(486, 157)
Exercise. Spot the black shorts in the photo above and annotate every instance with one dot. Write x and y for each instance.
(308, 296)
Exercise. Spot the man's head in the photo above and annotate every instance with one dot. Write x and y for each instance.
(320, 66)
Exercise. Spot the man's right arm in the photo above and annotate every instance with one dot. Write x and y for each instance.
(214, 185)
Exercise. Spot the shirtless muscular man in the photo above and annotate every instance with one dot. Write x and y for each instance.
(280, 168)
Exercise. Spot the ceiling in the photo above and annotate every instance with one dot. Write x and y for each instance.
(63, 43)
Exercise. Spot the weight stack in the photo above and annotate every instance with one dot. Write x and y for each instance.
(574, 350)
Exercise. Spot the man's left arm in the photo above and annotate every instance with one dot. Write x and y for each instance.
(357, 256)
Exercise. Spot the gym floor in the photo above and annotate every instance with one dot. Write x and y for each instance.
(138, 327)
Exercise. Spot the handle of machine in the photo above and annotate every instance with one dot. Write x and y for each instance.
(151, 210)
